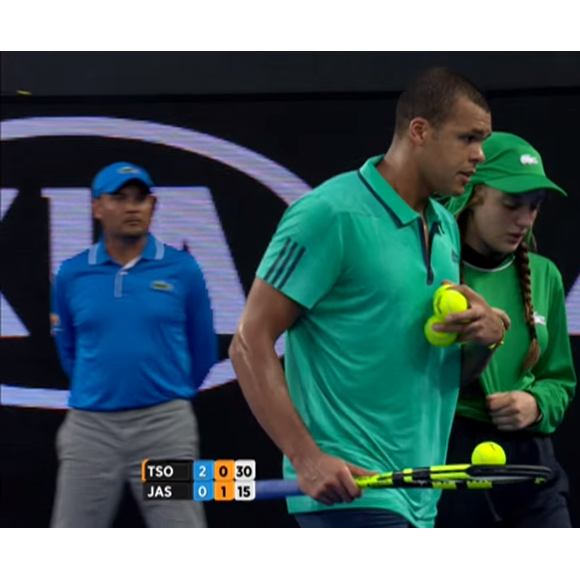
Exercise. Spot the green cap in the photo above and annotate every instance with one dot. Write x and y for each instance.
(511, 165)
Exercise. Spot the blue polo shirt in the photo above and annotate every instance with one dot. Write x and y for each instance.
(132, 336)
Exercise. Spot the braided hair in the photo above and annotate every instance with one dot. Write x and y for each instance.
(522, 263)
(525, 275)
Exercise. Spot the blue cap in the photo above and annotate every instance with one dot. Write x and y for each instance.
(113, 177)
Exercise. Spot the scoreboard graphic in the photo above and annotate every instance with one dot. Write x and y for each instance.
(203, 480)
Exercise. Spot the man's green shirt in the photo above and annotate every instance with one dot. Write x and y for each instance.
(361, 374)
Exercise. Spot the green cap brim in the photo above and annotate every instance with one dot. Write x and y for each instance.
(517, 185)
(520, 184)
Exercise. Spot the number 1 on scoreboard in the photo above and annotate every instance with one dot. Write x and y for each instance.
(224, 491)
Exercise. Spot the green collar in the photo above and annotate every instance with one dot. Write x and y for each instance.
(393, 202)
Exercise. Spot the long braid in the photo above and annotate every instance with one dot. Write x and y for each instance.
(525, 275)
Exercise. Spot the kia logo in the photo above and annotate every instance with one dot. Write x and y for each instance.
(187, 215)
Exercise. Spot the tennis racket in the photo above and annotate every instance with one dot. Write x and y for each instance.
(443, 477)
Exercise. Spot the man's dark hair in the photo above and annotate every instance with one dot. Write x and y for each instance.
(432, 96)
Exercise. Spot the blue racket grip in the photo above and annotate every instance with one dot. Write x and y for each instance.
(277, 489)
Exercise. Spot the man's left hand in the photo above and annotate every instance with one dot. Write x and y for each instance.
(513, 411)
(479, 324)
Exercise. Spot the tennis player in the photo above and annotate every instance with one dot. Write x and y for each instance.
(134, 330)
(350, 275)
(522, 397)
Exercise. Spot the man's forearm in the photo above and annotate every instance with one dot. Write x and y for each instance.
(475, 359)
(261, 378)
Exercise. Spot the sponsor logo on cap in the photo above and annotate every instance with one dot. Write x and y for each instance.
(529, 160)
(127, 169)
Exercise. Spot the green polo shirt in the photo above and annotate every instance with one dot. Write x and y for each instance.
(361, 374)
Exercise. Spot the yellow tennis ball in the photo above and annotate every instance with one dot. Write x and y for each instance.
(439, 291)
(438, 338)
(488, 453)
(437, 296)
(449, 302)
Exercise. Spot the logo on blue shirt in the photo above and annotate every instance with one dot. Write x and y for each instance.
(161, 285)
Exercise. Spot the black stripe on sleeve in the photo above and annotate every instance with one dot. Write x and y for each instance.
(280, 257)
(292, 267)
(285, 264)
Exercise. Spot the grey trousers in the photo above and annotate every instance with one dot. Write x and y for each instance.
(99, 452)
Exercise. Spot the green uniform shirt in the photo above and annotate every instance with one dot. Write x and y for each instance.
(552, 381)
(361, 374)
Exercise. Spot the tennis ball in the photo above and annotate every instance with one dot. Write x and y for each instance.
(488, 453)
(438, 338)
(449, 302)
(439, 291)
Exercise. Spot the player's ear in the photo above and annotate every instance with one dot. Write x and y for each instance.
(419, 129)
(479, 195)
(97, 209)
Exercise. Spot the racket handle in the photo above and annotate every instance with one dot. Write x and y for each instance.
(277, 489)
